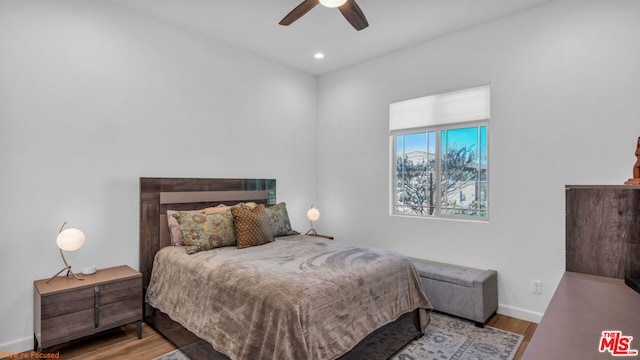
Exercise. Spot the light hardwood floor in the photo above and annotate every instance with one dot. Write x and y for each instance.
(122, 343)
(517, 326)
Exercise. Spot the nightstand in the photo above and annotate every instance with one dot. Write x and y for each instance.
(66, 309)
(321, 236)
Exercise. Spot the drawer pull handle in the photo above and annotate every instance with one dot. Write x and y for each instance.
(96, 306)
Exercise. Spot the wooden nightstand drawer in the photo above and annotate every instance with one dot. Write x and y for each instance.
(121, 290)
(69, 324)
(67, 309)
(67, 302)
(120, 313)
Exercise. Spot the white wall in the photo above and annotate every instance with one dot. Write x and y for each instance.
(565, 81)
(92, 97)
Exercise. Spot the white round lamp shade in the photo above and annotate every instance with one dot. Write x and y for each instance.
(70, 239)
(332, 3)
(313, 214)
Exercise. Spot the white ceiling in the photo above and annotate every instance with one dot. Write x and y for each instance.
(253, 25)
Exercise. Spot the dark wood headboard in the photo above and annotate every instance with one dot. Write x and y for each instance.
(157, 195)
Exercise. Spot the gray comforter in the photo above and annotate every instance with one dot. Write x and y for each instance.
(295, 298)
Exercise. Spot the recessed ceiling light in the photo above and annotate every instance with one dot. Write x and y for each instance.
(318, 55)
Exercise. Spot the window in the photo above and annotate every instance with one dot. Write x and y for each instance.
(439, 155)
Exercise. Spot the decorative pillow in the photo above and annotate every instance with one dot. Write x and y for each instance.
(205, 232)
(248, 205)
(174, 228)
(279, 219)
(252, 226)
(222, 208)
(215, 210)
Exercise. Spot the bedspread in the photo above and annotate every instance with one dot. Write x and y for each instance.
(296, 298)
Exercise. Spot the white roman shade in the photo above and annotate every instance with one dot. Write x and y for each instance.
(441, 109)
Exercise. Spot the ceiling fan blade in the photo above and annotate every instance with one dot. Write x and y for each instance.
(354, 15)
(300, 10)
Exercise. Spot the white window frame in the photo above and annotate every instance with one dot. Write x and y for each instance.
(477, 115)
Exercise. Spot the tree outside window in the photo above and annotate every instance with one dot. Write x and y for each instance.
(439, 154)
(442, 173)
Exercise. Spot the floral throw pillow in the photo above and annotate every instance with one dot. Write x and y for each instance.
(205, 232)
(279, 219)
(252, 226)
(174, 228)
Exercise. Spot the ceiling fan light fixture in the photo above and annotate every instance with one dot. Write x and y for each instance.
(349, 9)
(332, 3)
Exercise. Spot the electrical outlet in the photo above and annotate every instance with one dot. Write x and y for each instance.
(536, 287)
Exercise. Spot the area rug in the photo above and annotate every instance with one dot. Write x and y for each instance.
(451, 338)
(446, 338)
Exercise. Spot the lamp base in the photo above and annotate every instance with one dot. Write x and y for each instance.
(311, 231)
(69, 274)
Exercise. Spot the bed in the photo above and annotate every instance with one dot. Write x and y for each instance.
(297, 297)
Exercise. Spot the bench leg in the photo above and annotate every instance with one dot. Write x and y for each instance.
(480, 325)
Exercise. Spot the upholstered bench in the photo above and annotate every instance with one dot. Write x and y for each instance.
(457, 290)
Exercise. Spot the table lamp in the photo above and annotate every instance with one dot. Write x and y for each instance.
(68, 240)
(313, 215)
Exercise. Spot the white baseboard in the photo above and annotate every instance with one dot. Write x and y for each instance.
(519, 313)
(16, 346)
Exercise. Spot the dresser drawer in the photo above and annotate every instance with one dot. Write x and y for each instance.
(119, 313)
(69, 324)
(121, 290)
(67, 302)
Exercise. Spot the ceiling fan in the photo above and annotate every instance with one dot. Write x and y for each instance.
(348, 8)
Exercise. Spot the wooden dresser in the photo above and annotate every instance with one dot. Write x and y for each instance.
(66, 309)
(582, 307)
(602, 247)
(603, 230)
